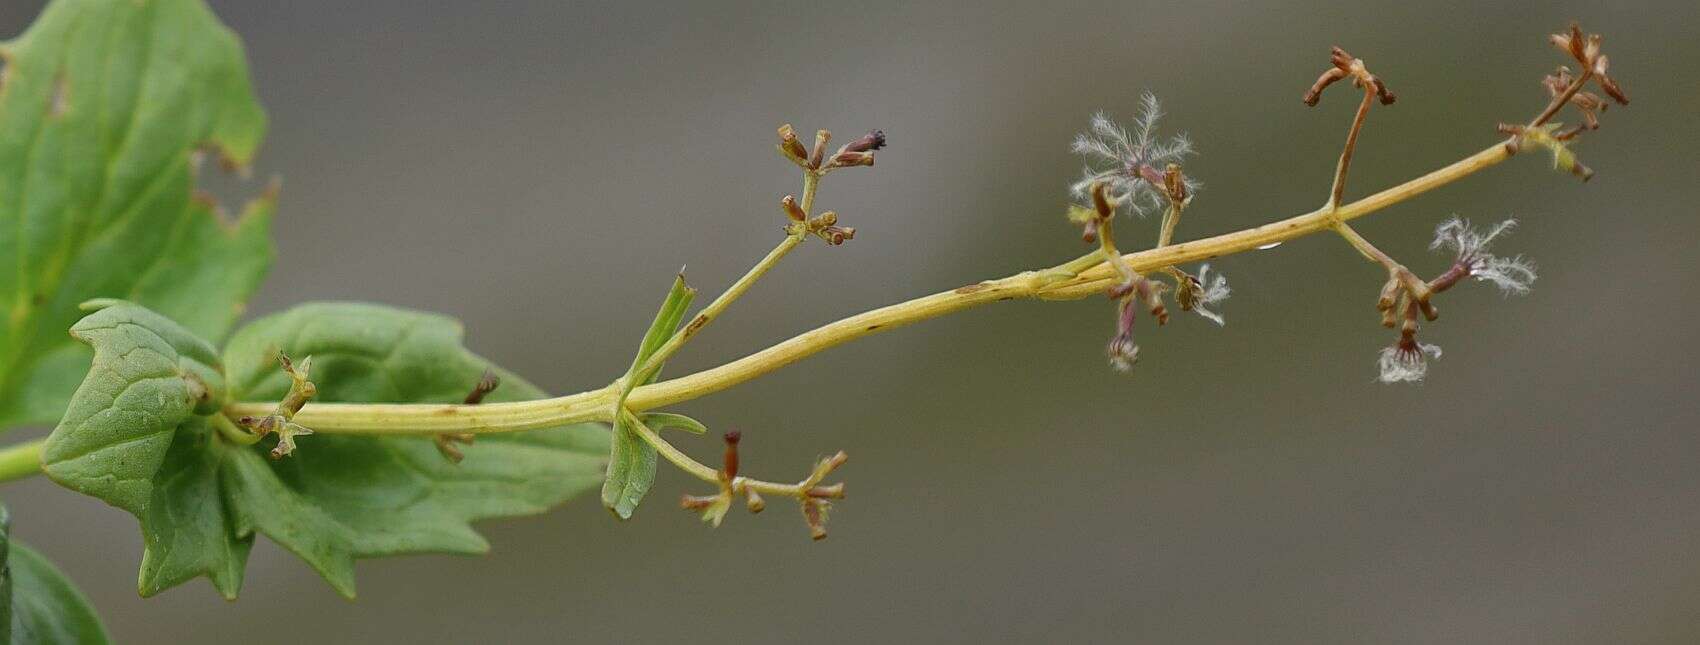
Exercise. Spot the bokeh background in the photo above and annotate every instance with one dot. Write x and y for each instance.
(539, 169)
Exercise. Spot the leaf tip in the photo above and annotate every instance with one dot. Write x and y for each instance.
(97, 304)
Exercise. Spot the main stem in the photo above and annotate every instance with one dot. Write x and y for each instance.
(595, 405)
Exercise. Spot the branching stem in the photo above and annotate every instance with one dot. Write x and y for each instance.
(1396, 271)
(1046, 284)
(720, 303)
(707, 473)
(1563, 98)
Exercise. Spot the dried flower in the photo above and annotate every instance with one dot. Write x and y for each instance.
(791, 147)
(1131, 163)
(1196, 293)
(446, 441)
(1585, 50)
(1406, 360)
(873, 140)
(1588, 103)
(1343, 65)
(282, 419)
(792, 210)
(714, 507)
(1512, 275)
(1122, 351)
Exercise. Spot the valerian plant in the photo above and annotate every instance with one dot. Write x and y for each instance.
(343, 431)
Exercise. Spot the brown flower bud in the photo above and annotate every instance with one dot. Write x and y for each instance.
(873, 140)
(819, 153)
(792, 210)
(1174, 183)
(789, 145)
(1101, 201)
(851, 158)
(729, 471)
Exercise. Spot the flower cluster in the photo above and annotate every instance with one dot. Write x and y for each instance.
(1130, 164)
(1407, 360)
(1343, 65)
(282, 419)
(1567, 89)
(1512, 275)
(813, 498)
(815, 164)
(1132, 178)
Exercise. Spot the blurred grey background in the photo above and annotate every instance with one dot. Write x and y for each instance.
(539, 169)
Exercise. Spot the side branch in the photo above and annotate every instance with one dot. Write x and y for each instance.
(1033, 284)
(415, 419)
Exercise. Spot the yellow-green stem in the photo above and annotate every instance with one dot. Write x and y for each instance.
(703, 471)
(20, 460)
(712, 311)
(418, 419)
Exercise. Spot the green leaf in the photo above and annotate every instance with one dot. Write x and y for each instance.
(631, 460)
(105, 106)
(666, 322)
(189, 531)
(135, 437)
(631, 471)
(131, 436)
(149, 376)
(38, 604)
(345, 497)
(659, 421)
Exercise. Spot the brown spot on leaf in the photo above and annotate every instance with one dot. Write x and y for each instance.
(972, 288)
(60, 101)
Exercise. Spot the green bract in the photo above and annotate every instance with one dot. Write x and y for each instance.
(631, 460)
(37, 603)
(201, 498)
(105, 108)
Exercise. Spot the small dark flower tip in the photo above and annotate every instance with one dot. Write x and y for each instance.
(729, 468)
(838, 235)
(487, 383)
(1089, 231)
(873, 140)
(1101, 201)
(1313, 95)
(1344, 65)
